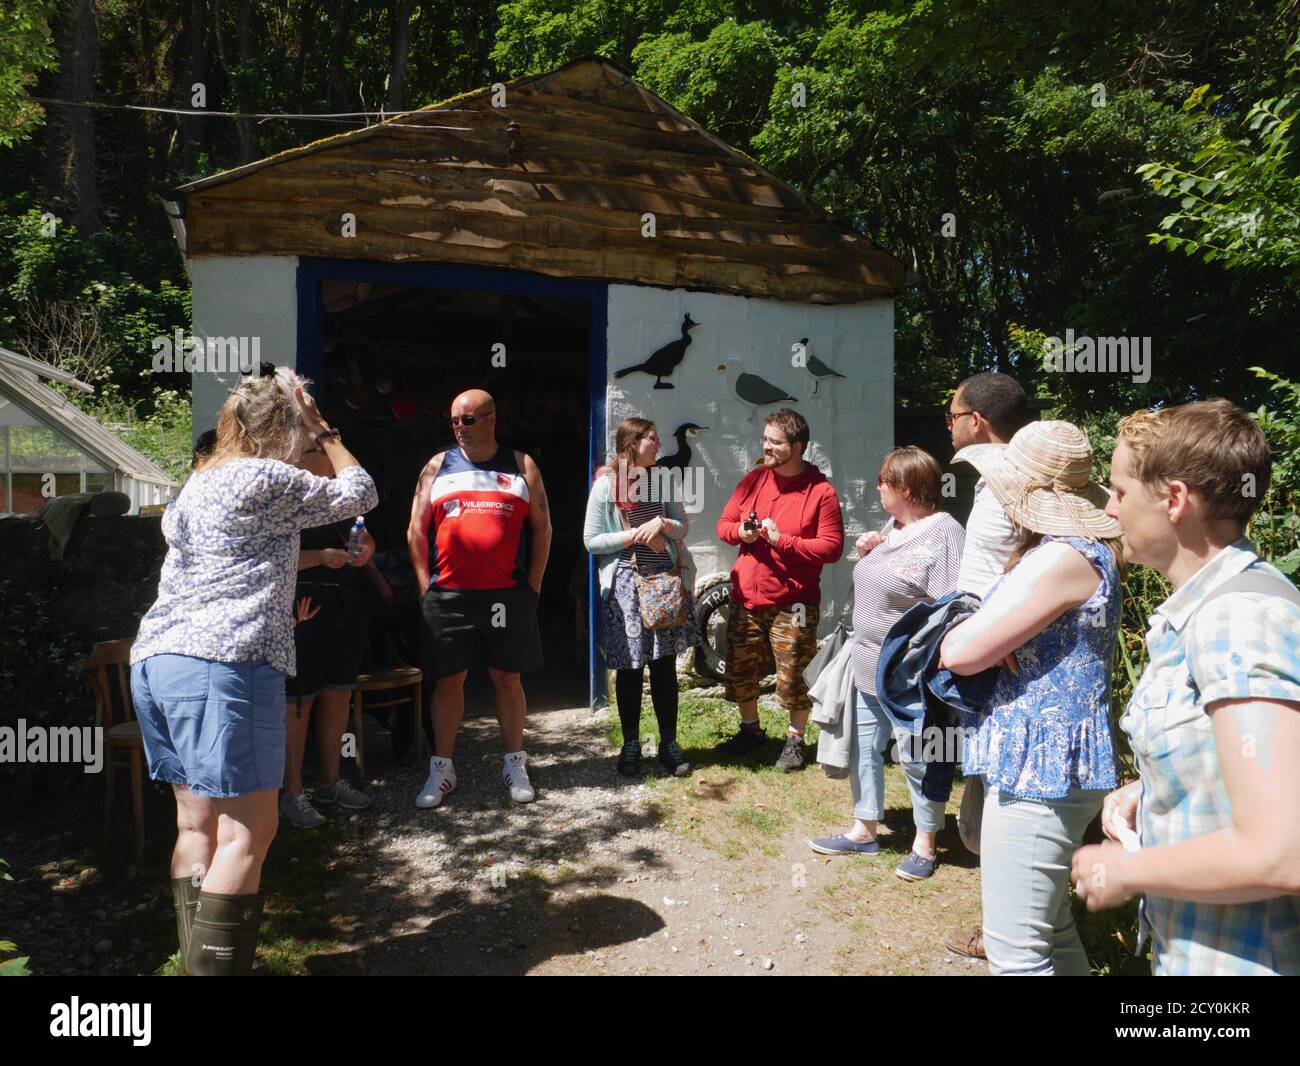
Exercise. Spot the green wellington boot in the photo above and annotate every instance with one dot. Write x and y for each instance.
(185, 899)
(223, 938)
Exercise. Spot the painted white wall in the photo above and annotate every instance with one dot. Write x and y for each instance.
(851, 419)
(242, 297)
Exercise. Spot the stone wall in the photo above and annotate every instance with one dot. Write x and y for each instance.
(106, 580)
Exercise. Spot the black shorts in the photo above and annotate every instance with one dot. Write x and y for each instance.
(329, 647)
(496, 628)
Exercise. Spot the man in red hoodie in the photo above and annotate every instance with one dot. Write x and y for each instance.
(786, 518)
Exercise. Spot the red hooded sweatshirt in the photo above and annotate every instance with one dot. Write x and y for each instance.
(807, 512)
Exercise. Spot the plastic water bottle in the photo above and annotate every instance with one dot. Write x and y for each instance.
(355, 538)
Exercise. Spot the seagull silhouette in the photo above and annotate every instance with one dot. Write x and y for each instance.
(681, 458)
(751, 389)
(665, 360)
(816, 367)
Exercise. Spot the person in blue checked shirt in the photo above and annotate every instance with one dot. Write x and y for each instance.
(1209, 835)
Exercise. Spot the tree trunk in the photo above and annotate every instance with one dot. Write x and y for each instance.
(76, 37)
(196, 132)
(399, 37)
(336, 73)
(245, 126)
(306, 42)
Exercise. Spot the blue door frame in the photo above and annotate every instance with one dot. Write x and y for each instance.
(311, 360)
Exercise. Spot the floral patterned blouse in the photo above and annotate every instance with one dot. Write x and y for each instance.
(1048, 730)
(226, 590)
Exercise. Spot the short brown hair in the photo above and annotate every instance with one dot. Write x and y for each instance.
(914, 472)
(791, 423)
(1212, 446)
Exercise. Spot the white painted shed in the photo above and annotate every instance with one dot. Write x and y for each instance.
(536, 247)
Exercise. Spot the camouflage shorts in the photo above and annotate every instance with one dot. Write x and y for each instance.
(767, 639)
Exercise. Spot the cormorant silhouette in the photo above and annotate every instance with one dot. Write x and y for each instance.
(665, 360)
(681, 458)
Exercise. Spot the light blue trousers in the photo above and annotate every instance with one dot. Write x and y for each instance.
(867, 743)
(1026, 846)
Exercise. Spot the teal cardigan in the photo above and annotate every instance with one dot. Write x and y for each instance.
(603, 535)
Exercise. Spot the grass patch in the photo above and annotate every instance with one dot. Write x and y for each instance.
(749, 810)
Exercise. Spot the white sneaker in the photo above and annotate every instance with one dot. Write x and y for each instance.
(343, 794)
(515, 776)
(297, 810)
(441, 780)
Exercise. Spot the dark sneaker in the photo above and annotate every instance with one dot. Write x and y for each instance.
(343, 794)
(791, 757)
(742, 744)
(915, 868)
(673, 760)
(842, 845)
(629, 759)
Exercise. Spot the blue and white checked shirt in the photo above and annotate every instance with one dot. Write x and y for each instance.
(1241, 646)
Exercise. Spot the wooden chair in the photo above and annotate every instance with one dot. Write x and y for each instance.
(107, 671)
(385, 680)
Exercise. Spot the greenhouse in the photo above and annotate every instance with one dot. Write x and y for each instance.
(50, 448)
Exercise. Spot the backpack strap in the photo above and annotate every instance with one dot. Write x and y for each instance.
(1250, 581)
(1254, 581)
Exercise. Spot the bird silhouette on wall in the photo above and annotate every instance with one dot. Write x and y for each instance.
(681, 458)
(816, 367)
(665, 360)
(751, 389)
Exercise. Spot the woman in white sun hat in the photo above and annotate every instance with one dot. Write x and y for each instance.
(1044, 747)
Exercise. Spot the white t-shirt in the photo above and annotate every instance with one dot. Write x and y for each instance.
(990, 540)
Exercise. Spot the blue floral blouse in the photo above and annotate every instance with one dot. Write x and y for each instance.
(1048, 728)
(227, 584)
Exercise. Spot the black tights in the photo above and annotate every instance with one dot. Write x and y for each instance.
(663, 694)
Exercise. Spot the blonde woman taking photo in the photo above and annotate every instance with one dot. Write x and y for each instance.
(209, 663)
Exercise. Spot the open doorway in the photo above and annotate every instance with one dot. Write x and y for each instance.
(392, 357)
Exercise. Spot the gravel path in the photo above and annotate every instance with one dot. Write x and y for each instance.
(588, 879)
(584, 880)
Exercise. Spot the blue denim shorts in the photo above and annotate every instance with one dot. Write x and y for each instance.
(216, 727)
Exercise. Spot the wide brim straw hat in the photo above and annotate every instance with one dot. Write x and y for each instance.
(1043, 480)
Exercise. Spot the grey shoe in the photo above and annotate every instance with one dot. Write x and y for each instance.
(916, 868)
(298, 811)
(343, 794)
(842, 845)
(791, 757)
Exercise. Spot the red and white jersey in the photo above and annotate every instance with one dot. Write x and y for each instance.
(478, 521)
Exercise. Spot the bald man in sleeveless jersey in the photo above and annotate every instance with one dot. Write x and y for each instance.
(479, 537)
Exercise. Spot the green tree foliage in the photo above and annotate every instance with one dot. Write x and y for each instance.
(1239, 201)
(26, 49)
(991, 146)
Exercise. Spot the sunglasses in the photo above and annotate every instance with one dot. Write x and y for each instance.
(951, 419)
(466, 420)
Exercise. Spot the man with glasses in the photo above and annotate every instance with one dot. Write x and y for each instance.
(480, 574)
(785, 517)
(987, 408)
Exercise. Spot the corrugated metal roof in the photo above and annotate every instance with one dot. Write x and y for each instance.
(24, 388)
